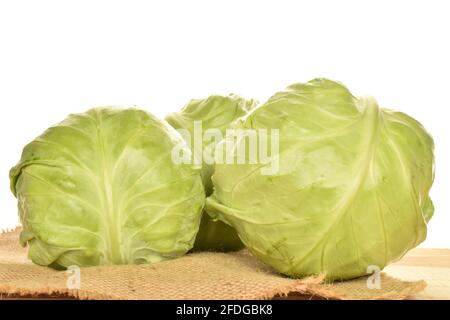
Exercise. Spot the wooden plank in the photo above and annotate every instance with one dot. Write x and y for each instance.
(431, 265)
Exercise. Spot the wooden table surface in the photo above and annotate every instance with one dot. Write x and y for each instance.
(431, 265)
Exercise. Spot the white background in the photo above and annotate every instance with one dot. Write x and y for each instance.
(59, 57)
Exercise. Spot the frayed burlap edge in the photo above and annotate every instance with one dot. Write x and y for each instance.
(332, 293)
(11, 291)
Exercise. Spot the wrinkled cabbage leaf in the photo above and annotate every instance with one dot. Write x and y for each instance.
(351, 192)
(214, 112)
(100, 188)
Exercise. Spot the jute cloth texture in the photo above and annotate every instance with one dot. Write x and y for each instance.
(196, 276)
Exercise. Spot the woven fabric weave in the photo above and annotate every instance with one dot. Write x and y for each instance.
(197, 276)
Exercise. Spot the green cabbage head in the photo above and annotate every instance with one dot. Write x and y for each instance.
(100, 188)
(214, 112)
(351, 191)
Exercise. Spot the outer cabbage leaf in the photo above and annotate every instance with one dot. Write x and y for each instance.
(100, 188)
(352, 188)
(214, 112)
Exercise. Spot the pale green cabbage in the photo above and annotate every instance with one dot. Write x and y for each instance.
(100, 188)
(214, 112)
(351, 191)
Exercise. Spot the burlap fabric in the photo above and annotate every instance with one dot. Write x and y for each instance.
(197, 276)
